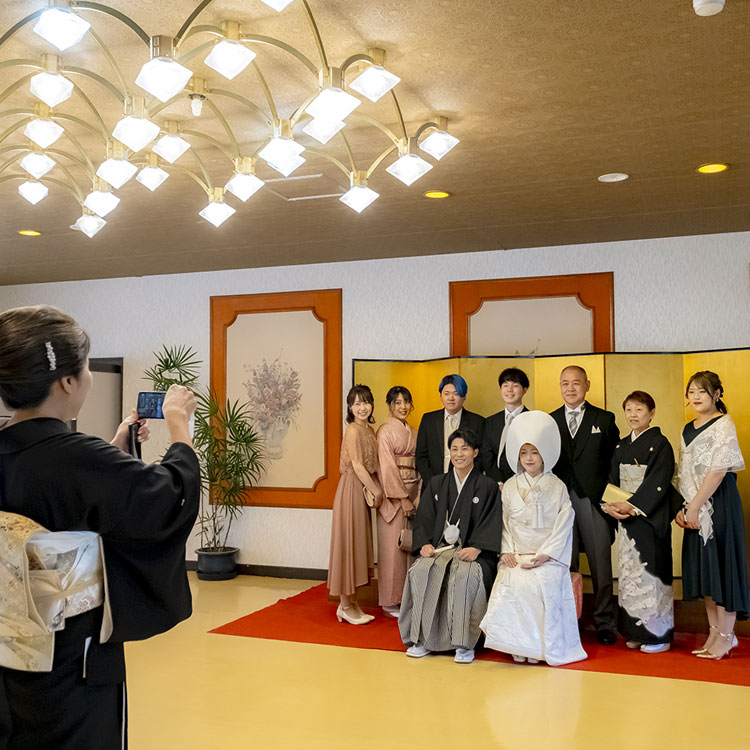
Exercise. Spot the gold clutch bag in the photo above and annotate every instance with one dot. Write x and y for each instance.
(615, 494)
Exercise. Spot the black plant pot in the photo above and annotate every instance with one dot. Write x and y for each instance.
(217, 564)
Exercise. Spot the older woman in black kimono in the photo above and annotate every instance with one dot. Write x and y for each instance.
(643, 465)
(93, 542)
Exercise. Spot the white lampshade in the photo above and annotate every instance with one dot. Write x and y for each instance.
(51, 88)
(135, 132)
(374, 82)
(163, 78)
(283, 154)
(243, 186)
(438, 143)
(708, 7)
(33, 191)
(409, 168)
(43, 131)
(171, 147)
(152, 177)
(217, 212)
(285, 168)
(37, 165)
(61, 27)
(359, 197)
(89, 224)
(332, 105)
(229, 58)
(101, 202)
(278, 5)
(116, 171)
(322, 130)
(196, 105)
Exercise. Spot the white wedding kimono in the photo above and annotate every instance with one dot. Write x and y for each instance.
(532, 612)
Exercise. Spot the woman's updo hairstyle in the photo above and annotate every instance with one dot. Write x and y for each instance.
(711, 383)
(365, 394)
(38, 345)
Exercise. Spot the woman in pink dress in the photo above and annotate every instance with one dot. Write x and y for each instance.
(397, 442)
(351, 535)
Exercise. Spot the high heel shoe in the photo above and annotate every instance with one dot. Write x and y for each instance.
(712, 631)
(729, 638)
(352, 620)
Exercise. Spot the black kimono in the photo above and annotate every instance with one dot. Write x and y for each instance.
(144, 514)
(645, 541)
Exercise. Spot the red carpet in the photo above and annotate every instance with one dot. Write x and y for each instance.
(309, 618)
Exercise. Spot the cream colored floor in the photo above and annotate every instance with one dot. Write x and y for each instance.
(191, 690)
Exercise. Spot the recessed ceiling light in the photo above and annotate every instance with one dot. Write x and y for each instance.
(712, 168)
(613, 177)
(29, 232)
(437, 194)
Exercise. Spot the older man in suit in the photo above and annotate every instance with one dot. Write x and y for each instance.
(432, 453)
(589, 435)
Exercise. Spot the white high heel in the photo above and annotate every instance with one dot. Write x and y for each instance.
(341, 615)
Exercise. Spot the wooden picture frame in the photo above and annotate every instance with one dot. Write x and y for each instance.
(325, 306)
(595, 291)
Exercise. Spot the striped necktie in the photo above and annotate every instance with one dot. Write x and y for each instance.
(573, 422)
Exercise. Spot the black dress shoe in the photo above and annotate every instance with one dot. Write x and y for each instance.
(606, 637)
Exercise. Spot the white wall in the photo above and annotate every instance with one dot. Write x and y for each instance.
(672, 294)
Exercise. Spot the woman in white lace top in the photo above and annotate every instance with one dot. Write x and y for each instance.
(714, 556)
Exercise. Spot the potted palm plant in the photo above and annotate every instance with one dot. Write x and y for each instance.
(230, 452)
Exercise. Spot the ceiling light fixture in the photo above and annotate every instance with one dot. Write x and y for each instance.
(33, 191)
(713, 168)
(61, 27)
(374, 82)
(322, 130)
(29, 232)
(116, 169)
(36, 164)
(171, 146)
(244, 184)
(278, 5)
(613, 177)
(359, 196)
(162, 76)
(135, 132)
(708, 7)
(43, 131)
(437, 194)
(217, 211)
(88, 223)
(50, 86)
(101, 200)
(230, 58)
(282, 152)
(409, 166)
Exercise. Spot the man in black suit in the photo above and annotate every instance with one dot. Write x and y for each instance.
(514, 384)
(589, 436)
(432, 454)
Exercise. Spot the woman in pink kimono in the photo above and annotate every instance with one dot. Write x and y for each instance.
(397, 443)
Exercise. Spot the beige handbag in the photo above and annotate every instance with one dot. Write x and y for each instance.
(370, 499)
(404, 537)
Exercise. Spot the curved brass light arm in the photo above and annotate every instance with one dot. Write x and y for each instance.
(175, 168)
(299, 113)
(101, 132)
(426, 126)
(208, 184)
(21, 63)
(86, 164)
(74, 189)
(80, 150)
(13, 86)
(368, 118)
(189, 20)
(260, 39)
(380, 158)
(242, 100)
(397, 107)
(121, 95)
(266, 91)
(361, 57)
(225, 124)
(99, 8)
(18, 26)
(330, 158)
(16, 125)
(214, 142)
(94, 111)
(316, 34)
(349, 151)
(188, 56)
(111, 59)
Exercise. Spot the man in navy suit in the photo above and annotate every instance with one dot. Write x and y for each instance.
(514, 384)
(432, 454)
(589, 436)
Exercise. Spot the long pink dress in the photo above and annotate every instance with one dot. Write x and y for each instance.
(351, 536)
(397, 443)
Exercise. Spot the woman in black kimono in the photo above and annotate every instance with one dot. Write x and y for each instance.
(643, 464)
(54, 480)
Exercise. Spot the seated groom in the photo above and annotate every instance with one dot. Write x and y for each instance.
(432, 455)
(456, 539)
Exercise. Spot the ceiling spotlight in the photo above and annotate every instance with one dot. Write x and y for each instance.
(437, 194)
(51, 88)
(171, 147)
(29, 232)
(33, 191)
(88, 223)
(374, 82)
(135, 132)
(217, 211)
(36, 164)
(43, 131)
(708, 7)
(61, 27)
(283, 154)
(151, 177)
(116, 171)
(196, 104)
(332, 104)
(712, 168)
(438, 143)
(101, 202)
(322, 130)
(613, 177)
(229, 58)
(162, 76)
(244, 186)
(359, 197)
(278, 5)
(409, 168)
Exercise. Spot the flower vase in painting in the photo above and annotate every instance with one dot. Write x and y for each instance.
(274, 394)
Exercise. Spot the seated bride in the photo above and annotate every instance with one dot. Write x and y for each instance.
(531, 612)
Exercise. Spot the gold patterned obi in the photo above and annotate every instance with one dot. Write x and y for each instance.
(45, 577)
(407, 468)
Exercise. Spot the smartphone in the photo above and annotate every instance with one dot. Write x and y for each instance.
(149, 404)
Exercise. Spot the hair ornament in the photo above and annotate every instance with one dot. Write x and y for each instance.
(51, 356)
